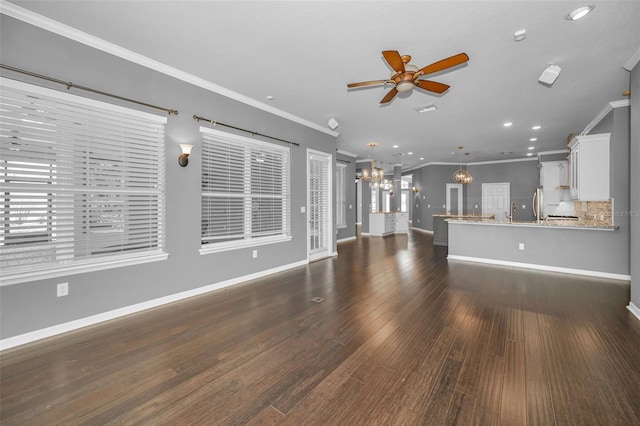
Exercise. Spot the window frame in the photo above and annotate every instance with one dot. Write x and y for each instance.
(247, 144)
(71, 263)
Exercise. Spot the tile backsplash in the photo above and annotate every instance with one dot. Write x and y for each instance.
(594, 212)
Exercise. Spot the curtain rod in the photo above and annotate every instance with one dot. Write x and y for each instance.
(217, 123)
(88, 89)
(344, 161)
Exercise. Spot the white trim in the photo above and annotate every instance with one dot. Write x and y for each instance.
(515, 160)
(436, 163)
(633, 61)
(602, 114)
(557, 151)
(71, 33)
(347, 153)
(596, 274)
(634, 310)
(343, 240)
(44, 333)
(92, 266)
(426, 231)
(240, 244)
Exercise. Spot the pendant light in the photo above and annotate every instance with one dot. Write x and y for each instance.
(461, 175)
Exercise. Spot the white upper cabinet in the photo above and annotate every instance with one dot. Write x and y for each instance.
(589, 167)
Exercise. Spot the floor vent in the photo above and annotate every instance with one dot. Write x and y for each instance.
(318, 299)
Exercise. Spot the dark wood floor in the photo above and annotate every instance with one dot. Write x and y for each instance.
(402, 337)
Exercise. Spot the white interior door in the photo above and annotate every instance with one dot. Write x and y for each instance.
(319, 198)
(454, 198)
(496, 199)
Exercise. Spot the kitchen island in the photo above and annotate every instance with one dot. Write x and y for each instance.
(440, 226)
(559, 246)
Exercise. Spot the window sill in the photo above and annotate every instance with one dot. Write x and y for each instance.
(79, 268)
(234, 245)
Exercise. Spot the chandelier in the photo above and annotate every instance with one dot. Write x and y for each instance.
(376, 174)
(461, 175)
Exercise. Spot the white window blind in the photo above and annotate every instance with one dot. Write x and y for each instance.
(82, 181)
(245, 191)
(319, 202)
(341, 197)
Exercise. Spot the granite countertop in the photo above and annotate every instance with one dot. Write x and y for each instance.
(466, 216)
(564, 224)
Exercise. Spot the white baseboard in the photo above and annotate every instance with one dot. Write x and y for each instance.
(342, 240)
(585, 272)
(634, 310)
(425, 231)
(44, 333)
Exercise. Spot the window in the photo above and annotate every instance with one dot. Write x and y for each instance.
(341, 201)
(82, 184)
(245, 192)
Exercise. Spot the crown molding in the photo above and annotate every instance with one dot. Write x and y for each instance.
(633, 61)
(602, 114)
(347, 153)
(477, 163)
(74, 34)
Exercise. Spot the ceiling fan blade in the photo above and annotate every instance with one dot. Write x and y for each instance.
(392, 93)
(368, 83)
(449, 62)
(394, 59)
(432, 86)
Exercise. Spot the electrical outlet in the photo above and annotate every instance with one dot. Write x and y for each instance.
(303, 209)
(521, 246)
(255, 254)
(62, 289)
(524, 207)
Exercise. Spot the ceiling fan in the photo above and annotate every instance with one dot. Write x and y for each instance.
(406, 75)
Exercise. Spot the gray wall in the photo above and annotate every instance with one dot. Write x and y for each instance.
(350, 194)
(431, 181)
(523, 176)
(635, 185)
(620, 189)
(33, 305)
(589, 250)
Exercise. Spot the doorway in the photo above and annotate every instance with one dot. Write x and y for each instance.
(319, 186)
(454, 203)
(496, 199)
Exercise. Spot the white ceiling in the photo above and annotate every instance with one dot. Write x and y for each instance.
(305, 52)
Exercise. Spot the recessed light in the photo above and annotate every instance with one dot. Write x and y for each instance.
(536, 127)
(410, 153)
(533, 139)
(519, 35)
(508, 124)
(531, 147)
(395, 146)
(578, 13)
(529, 154)
(421, 158)
(270, 97)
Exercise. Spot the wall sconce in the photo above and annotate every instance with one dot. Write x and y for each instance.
(183, 159)
(415, 189)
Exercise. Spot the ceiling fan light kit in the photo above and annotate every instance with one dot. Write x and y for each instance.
(406, 75)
